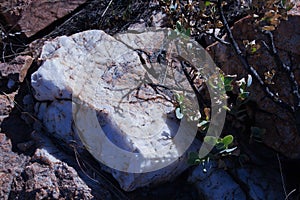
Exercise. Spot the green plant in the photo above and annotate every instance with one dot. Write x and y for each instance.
(184, 110)
(186, 32)
(221, 147)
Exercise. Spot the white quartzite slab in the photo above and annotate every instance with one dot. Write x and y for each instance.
(98, 87)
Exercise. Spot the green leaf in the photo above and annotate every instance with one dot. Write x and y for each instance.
(179, 26)
(244, 95)
(178, 113)
(210, 140)
(188, 32)
(253, 49)
(226, 108)
(243, 86)
(193, 158)
(222, 77)
(179, 98)
(228, 88)
(227, 140)
(207, 3)
(228, 80)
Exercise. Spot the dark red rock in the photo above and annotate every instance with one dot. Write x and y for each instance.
(45, 176)
(19, 66)
(6, 104)
(281, 132)
(35, 15)
(11, 166)
(57, 182)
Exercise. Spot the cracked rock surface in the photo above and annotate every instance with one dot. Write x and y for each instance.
(97, 73)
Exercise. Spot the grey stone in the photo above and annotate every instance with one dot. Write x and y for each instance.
(11, 166)
(261, 183)
(236, 182)
(213, 183)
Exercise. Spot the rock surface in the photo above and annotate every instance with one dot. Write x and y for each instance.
(17, 67)
(216, 184)
(33, 16)
(6, 105)
(41, 176)
(49, 174)
(280, 124)
(46, 176)
(11, 166)
(247, 182)
(98, 75)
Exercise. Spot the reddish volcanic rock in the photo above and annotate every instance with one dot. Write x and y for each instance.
(11, 165)
(19, 65)
(35, 15)
(280, 124)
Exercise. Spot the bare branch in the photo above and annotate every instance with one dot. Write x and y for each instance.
(246, 65)
(273, 51)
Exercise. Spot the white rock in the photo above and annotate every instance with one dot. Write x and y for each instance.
(119, 117)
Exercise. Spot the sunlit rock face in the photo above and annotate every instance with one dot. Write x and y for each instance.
(98, 90)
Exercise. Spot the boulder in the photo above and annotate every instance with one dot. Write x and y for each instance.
(280, 124)
(33, 16)
(43, 175)
(11, 166)
(49, 175)
(103, 90)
